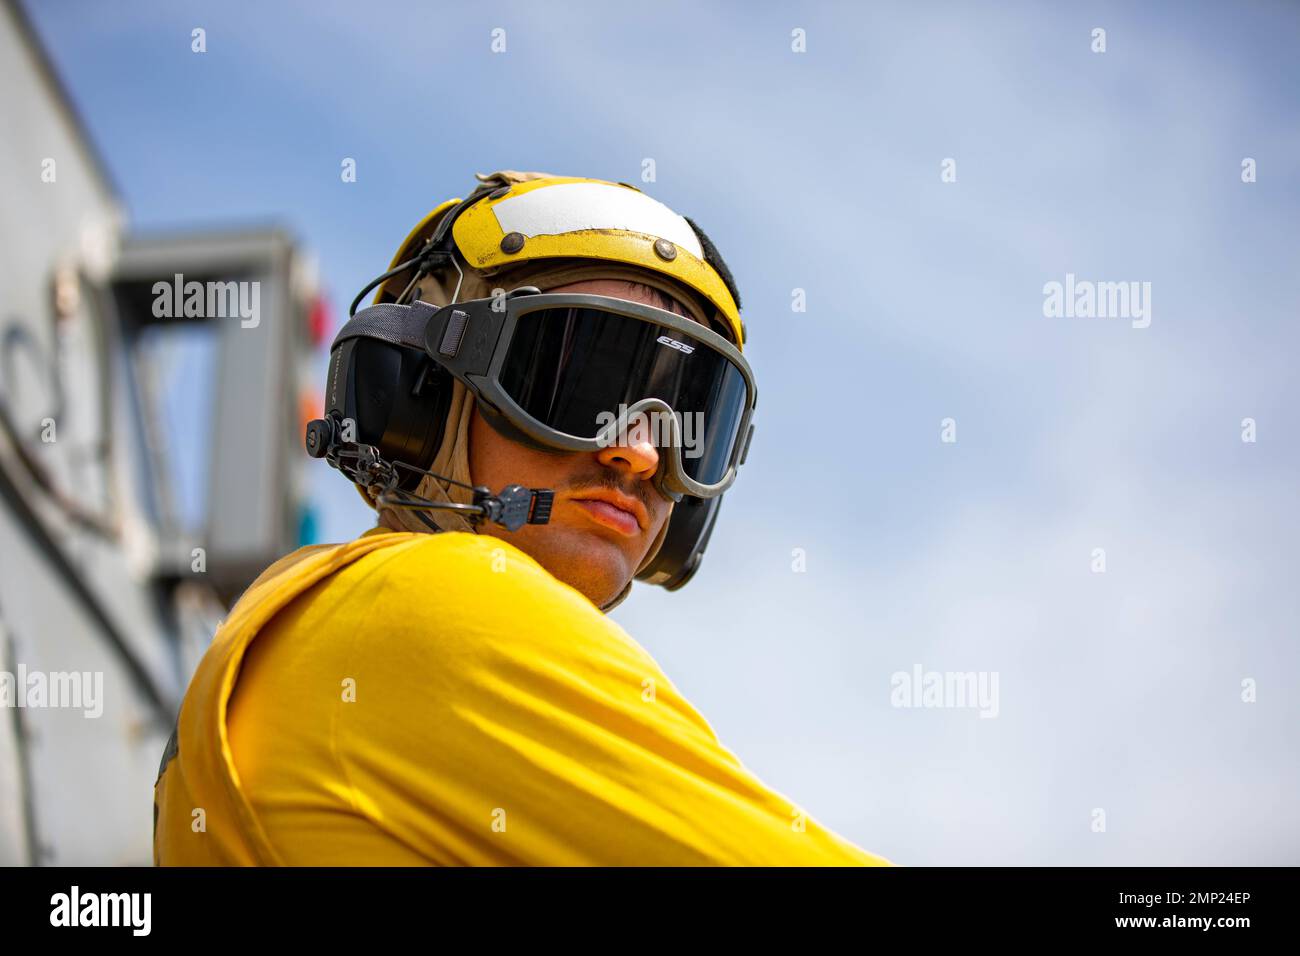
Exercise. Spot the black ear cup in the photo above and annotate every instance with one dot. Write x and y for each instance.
(396, 398)
(688, 533)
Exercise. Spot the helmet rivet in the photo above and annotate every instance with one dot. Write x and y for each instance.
(665, 249)
(498, 193)
(512, 242)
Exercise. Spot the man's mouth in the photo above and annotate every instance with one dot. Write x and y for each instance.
(618, 511)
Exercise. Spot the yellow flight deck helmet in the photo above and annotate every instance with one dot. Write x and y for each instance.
(507, 221)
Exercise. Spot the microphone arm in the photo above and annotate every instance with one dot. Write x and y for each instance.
(512, 507)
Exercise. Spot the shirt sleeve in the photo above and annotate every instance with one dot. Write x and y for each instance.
(500, 719)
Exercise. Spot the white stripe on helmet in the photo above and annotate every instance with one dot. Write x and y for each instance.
(570, 207)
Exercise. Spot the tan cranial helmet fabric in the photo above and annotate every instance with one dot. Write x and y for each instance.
(452, 459)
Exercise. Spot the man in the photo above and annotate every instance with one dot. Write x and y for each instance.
(460, 697)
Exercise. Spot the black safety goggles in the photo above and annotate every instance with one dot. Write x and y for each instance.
(577, 372)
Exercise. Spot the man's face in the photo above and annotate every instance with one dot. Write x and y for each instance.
(606, 511)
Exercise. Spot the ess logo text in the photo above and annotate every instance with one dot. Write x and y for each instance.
(673, 343)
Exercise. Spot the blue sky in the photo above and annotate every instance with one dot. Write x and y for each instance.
(821, 171)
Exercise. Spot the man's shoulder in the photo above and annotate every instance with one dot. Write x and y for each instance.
(392, 593)
(448, 555)
(452, 572)
(420, 608)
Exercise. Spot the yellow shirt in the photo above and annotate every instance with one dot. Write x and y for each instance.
(415, 699)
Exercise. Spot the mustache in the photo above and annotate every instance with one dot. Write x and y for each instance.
(608, 478)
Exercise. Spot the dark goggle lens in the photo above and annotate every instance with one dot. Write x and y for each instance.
(570, 368)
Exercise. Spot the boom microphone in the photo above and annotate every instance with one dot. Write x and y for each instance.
(512, 508)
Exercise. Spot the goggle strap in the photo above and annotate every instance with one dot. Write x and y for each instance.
(395, 324)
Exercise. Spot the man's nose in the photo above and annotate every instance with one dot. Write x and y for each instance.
(637, 456)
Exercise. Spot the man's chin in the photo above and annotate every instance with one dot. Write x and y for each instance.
(586, 560)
